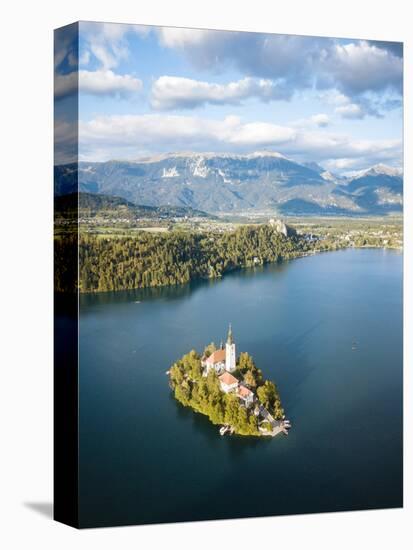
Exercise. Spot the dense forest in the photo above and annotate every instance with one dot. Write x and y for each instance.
(91, 205)
(203, 394)
(149, 260)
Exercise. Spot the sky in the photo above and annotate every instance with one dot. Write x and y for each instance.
(148, 90)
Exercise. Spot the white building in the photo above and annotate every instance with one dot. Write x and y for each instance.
(216, 361)
(222, 359)
(228, 382)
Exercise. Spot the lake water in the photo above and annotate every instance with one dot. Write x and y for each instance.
(145, 458)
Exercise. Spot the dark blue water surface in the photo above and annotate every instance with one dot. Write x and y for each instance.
(145, 458)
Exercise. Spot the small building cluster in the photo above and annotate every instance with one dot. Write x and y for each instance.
(223, 362)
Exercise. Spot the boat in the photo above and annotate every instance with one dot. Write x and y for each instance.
(167, 372)
(223, 430)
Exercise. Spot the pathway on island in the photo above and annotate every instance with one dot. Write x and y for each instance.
(277, 425)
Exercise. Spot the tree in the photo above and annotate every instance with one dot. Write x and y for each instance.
(246, 362)
(231, 407)
(176, 374)
(192, 365)
(266, 394)
(150, 260)
(249, 379)
(209, 349)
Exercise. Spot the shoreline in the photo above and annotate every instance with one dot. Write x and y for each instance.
(242, 268)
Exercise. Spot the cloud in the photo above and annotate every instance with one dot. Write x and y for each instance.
(108, 42)
(351, 111)
(65, 84)
(261, 55)
(171, 92)
(130, 136)
(84, 58)
(108, 83)
(369, 105)
(357, 69)
(361, 67)
(321, 120)
(163, 132)
(101, 82)
(65, 47)
(65, 140)
(395, 48)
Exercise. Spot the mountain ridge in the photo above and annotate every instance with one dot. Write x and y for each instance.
(229, 183)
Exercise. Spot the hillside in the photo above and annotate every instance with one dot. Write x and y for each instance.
(222, 183)
(96, 205)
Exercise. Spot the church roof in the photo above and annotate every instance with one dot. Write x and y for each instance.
(217, 356)
(228, 379)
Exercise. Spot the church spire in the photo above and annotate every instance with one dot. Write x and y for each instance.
(230, 339)
(230, 356)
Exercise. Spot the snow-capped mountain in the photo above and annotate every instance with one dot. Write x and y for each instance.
(219, 183)
(378, 170)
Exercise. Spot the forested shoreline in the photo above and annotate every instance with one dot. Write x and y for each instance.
(151, 260)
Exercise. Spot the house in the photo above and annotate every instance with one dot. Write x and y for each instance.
(245, 394)
(228, 382)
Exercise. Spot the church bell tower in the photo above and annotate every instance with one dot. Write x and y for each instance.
(230, 356)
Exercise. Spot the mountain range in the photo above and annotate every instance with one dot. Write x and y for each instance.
(229, 183)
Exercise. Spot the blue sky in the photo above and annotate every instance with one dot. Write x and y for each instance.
(149, 90)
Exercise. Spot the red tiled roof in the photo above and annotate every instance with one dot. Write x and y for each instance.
(217, 356)
(228, 379)
(244, 392)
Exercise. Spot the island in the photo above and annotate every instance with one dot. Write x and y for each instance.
(231, 392)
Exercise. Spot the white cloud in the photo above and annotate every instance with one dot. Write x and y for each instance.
(129, 136)
(134, 132)
(351, 111)
(84, 58)
(101, 82)
(172, 92)
(320, 120)
(354, 70)
(333, 97)
(174, 37)
(108, 83)
(108, 41)
(345, 108)
(258, 134)
(108, 44)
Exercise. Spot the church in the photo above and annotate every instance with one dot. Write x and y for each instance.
(223, 359)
